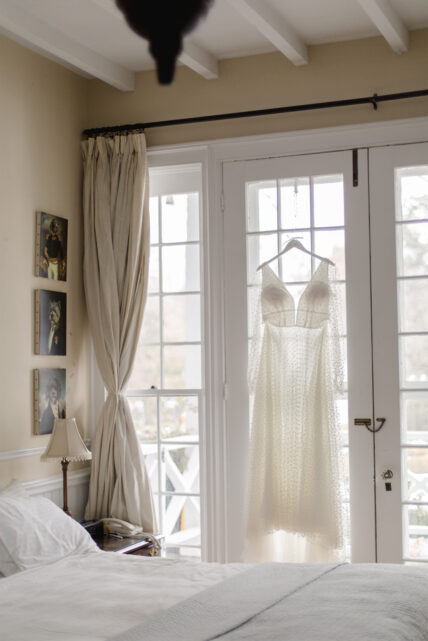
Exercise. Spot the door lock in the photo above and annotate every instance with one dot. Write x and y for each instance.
(387, 475)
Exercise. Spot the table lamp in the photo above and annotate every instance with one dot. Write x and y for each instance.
(66, 444)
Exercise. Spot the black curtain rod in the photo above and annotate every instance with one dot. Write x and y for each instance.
(373, 100)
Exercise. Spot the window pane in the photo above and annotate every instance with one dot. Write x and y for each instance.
(328, 201)
(412, 249)
(414, 417)
(144, 414)
(416, 519)
(412, 303)
(261, 205)
(412, 192)
(259, 249)
(146, 370)
(153, 285)
(182, 520)
(180, 218)
(150, 452)
(180, 268)
(150, 328)
(180, 468)
(182, 367)
(154, 220)
(182, 318)
(295, 203)
(414, 361)
(415, 486)
(295, 264)
(179, 417)
(331, 244)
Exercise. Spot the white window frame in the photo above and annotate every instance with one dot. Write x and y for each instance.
(212, 154)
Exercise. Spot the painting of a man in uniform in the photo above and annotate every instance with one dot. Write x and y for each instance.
(51, 251)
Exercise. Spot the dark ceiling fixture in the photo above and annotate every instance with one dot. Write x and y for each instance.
(164, 23)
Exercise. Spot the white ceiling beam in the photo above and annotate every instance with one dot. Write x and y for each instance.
(274, 27)
(199, 60)
(389, 23)
(32, 32)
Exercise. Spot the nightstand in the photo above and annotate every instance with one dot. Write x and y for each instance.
(139, 545)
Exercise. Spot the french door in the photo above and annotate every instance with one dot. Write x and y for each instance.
(376, 232)
(399, 241)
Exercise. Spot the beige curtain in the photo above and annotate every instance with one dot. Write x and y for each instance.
(116, 263)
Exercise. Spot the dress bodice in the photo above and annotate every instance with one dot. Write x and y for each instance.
(278, 306)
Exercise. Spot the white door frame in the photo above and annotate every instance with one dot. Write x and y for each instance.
(213, 154)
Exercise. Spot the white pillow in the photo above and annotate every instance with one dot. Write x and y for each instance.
(35, 531)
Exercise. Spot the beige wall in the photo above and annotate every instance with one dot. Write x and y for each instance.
(44, 107)
(335, 71)
(42, 111)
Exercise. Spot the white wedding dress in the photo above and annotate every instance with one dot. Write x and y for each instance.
(295, 481)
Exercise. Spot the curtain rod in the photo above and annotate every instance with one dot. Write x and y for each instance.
(373, 100)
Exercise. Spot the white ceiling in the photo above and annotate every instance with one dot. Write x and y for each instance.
(92, 37)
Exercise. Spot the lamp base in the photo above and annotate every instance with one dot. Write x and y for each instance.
(64, 464)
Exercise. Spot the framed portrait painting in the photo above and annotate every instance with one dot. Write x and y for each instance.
(50, 322)
(51, 246)
(49, 398)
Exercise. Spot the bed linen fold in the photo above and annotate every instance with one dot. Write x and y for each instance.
(331, 603)
(210, 614)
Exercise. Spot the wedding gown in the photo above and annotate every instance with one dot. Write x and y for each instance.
(295, 481)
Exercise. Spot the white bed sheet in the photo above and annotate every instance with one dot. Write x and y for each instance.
(98, 595)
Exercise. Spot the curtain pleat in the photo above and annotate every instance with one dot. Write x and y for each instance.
(116, 265)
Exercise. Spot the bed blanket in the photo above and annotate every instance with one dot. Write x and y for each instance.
(285, 602)
(94, 596)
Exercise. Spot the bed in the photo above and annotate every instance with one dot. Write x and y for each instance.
(60, 587)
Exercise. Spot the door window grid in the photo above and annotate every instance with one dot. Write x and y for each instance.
(258, 230)
(412, 273)
(172, 458)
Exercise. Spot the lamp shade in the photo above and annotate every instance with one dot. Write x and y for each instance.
(66, 442)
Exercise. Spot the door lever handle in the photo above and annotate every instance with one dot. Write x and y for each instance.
(367, 424)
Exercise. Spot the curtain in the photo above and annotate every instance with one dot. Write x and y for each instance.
(116, 264)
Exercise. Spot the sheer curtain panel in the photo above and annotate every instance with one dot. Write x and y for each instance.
(116, 264)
